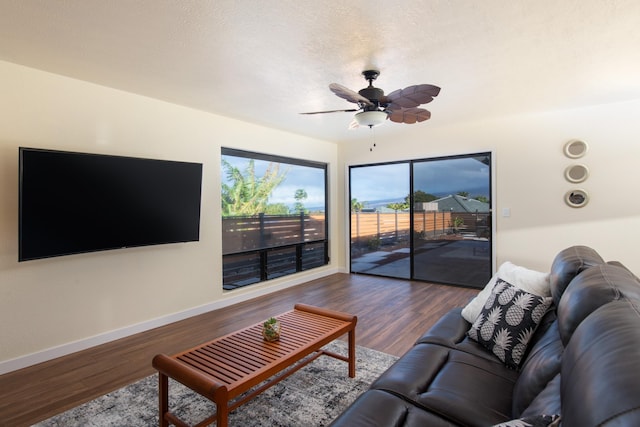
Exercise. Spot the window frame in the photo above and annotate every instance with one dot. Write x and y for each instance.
(259, 260)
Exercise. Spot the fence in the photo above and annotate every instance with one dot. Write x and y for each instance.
(241, 234)
(377, 227)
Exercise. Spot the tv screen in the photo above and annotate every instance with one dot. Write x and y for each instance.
(73, 203)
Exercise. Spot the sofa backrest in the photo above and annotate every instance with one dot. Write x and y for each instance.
(567, 264)
(580, 283)
(590, 290)
(600, 377)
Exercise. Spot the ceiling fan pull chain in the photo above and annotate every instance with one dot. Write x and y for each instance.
(373, 138)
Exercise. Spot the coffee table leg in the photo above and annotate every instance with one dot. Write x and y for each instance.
(163, 396)
(222, 413)
(352, 353)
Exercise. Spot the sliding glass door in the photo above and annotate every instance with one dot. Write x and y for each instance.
(380, 220)
(452, 220)
(427, 219)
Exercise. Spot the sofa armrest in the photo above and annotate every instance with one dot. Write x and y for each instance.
(449, 330)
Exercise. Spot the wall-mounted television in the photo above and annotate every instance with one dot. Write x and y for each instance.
(73, 203)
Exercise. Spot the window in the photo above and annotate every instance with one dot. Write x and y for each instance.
(273, 216)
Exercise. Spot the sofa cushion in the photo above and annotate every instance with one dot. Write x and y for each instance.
(507, 322)
(443, 380)
(567, 264)
(541, 365)
(547, 402)
(531, 281)
(449, 330)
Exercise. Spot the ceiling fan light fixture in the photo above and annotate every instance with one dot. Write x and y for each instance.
(400, 106)
(371, 118)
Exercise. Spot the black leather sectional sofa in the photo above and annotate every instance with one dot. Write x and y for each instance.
(581, 366)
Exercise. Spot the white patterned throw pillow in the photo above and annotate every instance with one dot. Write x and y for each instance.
(526, 279)
(507, 321)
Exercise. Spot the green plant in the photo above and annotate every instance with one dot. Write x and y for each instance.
(458, 222)
(271, 329)
(373, 243)
(245, 193)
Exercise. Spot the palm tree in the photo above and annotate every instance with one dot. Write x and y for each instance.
(246, 194)
(398, 206)
(300, 195)
(357, 206)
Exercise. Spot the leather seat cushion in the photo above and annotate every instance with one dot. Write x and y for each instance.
(444, 380)
(380, 408)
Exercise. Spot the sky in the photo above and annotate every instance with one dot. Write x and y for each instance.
(297, 177)
(439, 177)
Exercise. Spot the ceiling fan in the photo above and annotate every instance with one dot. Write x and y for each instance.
(374, 107)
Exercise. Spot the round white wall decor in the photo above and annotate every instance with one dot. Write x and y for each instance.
(576, 173)
(575, 149)
(576, 198)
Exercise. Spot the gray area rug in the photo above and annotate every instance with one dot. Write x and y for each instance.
(313, 396)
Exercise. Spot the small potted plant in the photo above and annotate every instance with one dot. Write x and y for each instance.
(271, 329)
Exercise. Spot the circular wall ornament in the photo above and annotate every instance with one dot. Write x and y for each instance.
(576, 173)
(576, 198)
(575, 149)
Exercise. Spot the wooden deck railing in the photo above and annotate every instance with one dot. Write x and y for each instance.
(247, 233)
(376, 225)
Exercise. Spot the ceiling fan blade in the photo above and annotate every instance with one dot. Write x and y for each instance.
(333, 111)
(409, 115)
(349, 95)
(412, 96)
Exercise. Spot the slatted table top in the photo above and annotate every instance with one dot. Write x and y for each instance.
(234, 359)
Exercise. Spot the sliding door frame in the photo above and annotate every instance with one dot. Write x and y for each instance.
(411, 163)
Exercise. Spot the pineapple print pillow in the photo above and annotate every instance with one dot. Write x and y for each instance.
(507, 322)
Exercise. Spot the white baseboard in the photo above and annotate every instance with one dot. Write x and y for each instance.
(75, 346)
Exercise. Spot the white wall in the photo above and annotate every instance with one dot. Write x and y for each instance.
(49, 307)
(53, 306)
(529, 173)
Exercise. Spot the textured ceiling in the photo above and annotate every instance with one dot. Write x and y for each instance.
(266, 61)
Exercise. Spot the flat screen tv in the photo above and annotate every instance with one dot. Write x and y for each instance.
(73, 203)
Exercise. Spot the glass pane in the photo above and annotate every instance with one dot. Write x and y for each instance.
(240, 270)
(380, 220)
(281, 262)
(313, 255)
(452, 220)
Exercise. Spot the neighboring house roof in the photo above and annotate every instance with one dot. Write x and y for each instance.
(457, 203)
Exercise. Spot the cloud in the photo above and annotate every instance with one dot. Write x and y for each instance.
(438, 177)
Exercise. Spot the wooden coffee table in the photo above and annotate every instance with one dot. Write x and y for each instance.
(223, 369)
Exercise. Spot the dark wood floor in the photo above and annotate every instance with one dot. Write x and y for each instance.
(391, 315)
